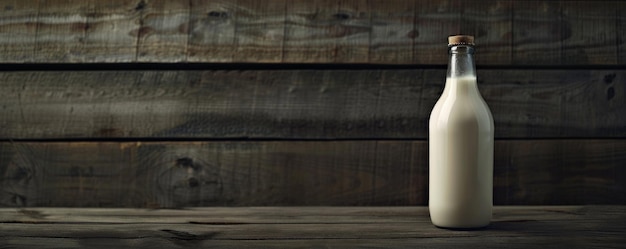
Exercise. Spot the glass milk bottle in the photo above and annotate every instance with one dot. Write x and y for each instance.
(460, 146)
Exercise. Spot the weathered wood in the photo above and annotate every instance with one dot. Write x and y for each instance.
(327, 31)
(355, 30)
(276, 215)
(621, 36)
(432, 20)
(260, 31)
(490, 22)
(164, 31)
(320, 104)
(380, 227)
(111, 33)
(391, 32)
(538, 32)
(18, 25)
(211, 31)
(232, 215)
(182, 174)
(60, 33)
(588, 37)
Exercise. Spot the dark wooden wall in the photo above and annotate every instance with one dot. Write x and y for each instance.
(278, 102)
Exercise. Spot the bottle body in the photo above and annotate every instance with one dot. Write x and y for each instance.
(461, 134)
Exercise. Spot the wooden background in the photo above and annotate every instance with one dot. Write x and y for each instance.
(277, 102)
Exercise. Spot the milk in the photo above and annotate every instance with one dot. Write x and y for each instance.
(460, 140)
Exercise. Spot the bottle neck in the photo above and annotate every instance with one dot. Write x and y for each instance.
(461, 71)
(461, 63)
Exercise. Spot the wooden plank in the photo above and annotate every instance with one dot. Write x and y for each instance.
(295, 104)
(18, 30)
(561, 171)
(183, 174)
(194, 174)
(516, 227)
(278, 215)
(537, 33)
(521, 32)
(212, 31)
(434, 22)
(164, 31)
(111, 34)
(352, 32)
(621, 36)
(204, 235)
(61, 30)
(327, 31)
(589, 32)
(236, 215)
(260, 30)
(491, 24)
(311, 30)
(392, 23)
(166, 241)
(560, 118)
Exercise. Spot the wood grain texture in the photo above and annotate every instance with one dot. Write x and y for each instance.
(621, 36)
(393, 31)
(18, 28)
(212, 31)
(589, 33)
(164, 31)
(260, 31)
(346, 173)
(354, 31)
(331, 31)
(491, 24)
(434, 20)
(538, 32)
(61, 30)
(112, 32)
(306, 227)
(297, 104)
(327, 31)
(278, 215)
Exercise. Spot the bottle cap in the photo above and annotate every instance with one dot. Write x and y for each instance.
(454, 40)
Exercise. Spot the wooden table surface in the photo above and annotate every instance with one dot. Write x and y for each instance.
(308, 227)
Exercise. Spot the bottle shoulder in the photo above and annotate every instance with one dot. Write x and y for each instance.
(461, 111)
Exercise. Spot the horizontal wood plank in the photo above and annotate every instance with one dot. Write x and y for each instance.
(18, 24)
(275, 215)
(372, 227)
(170, 39)
(300, 104)
(587, 36)
(621, 36)
(490, 21)
(391, 32)
(183, 174)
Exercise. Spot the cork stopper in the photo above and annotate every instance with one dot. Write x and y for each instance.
(454, 40)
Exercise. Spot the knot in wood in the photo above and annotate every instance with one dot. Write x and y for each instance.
(185, 162)
(608, 79)
(140, 6)
(218, 14)
(342, 16)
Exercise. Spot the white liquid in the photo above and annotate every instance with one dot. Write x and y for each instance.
(461, 157)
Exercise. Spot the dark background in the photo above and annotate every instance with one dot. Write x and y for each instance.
(275, 102)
